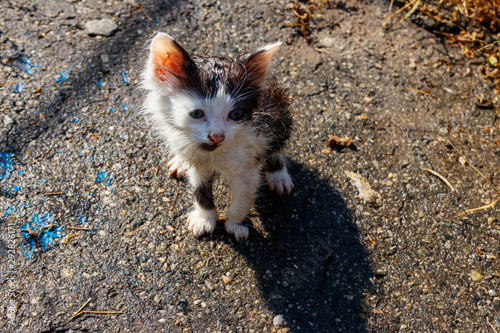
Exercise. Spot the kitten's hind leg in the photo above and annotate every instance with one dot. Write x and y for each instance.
(277, 174)
(203, 219)
(176, 168)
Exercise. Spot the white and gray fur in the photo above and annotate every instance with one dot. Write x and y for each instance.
(216, 144)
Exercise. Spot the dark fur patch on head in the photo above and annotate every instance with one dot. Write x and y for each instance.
(211, 74)
(266, 107)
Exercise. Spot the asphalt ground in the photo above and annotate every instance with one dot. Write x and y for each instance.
(368, 241)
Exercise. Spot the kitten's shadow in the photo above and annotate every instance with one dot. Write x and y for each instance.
(311, 266)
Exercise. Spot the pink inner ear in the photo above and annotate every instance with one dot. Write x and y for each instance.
(168, 58)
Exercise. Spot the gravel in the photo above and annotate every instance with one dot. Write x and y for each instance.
(74, 145)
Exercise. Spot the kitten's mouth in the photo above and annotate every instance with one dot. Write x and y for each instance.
(209, 147)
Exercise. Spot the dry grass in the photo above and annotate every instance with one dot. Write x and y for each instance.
(474, 25)
(304, 11)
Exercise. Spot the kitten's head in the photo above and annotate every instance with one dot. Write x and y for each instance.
(207, 99)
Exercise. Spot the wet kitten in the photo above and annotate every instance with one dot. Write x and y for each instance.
(219, 116)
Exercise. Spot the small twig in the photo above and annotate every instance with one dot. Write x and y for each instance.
(80, 309)
(293, 25)
(413, 9)
(495, 42)
(102, 312)
(66, 238)
(79, 312)
(144, 11)
(48, 226)
(479, 172)
(302, 17)
(53, 193)
(30, 233)
(77, 228)
(488, 321)
(471, 23)
(393, 15)
(421, 92)
(444, 180)
(490, 205)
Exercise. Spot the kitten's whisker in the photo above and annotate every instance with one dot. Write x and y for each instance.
(247, 95)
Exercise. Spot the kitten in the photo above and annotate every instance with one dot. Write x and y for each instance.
(219, 116)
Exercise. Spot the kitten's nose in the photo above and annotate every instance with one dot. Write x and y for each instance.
(217, 137)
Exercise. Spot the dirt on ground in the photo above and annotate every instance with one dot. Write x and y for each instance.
(94, 233)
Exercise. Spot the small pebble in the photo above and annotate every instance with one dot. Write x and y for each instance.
(427, 239)
(105, 58)
(7, 120)
(327, 42)
(104, 27)
(226, 279)
(278, 320)
(209, 285)
(491, 256)
(476, 276)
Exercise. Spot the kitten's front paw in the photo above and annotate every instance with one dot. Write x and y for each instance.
(176, 168)
(280, 181)
(202, 221)
(239, 230)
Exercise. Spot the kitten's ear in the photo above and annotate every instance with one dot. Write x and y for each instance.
(169, 61)
(257, 63)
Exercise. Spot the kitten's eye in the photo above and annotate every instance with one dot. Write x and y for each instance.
(236, 114)
(197, 114)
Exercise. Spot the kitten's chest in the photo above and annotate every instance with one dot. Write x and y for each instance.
(238, 157)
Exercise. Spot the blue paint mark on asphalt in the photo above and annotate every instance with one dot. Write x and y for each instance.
(26, 65)
(19, 87)
(109, 181)
(9, 210)
(101, 176)
(105, 177)
(64, 75)
(5, 164)
(42, 234)
(28, 248)
(124, 107)
(124, 78)
(47, 237)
